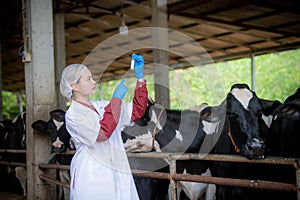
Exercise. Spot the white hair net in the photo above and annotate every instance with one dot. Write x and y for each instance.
(71, 74)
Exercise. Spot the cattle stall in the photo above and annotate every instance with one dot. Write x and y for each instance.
(42, 56)
(19, 168)
(174, 177)
(17, 151)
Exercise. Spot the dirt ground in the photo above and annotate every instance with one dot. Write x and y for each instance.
(9, 196)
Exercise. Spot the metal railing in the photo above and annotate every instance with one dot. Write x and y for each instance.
(174, 177)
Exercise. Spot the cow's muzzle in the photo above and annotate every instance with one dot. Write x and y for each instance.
(256, 148)
(59, 149)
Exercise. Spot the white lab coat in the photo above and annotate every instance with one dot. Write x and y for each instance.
(99, 170)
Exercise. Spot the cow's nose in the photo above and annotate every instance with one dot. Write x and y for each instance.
(59, 149)
(58, 145)
(256, 148)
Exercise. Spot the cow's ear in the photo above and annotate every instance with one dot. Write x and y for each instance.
(151, 102)
(268, 107)
(57, 115)
(209, 114)
(215, 113)
(289, 110)
(39, 125)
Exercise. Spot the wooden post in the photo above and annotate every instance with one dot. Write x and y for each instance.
(40, 90)
(160, 52)
(173, 183)
(60, 55)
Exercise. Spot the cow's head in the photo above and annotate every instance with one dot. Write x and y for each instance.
(243, 110)
(13, 132)
(143, 121)
(240, 110)
(60, 138)
(7, 135)
(136, 138)
(284, 136)
(20, 127)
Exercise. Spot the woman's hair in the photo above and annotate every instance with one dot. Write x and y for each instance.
(71, 74)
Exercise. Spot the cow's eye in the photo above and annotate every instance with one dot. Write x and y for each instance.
(232, 115)
(50, 129)
(244, 127)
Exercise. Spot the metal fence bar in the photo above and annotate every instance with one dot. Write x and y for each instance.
(12, 150)
(68, 152)
(218, 157)
(256, 184)
(51, 180)
(173, 177)
(12, 163)
(54, 166)
(212, 157)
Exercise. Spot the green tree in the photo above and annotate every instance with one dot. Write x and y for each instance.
(277, 77)
(10, 108)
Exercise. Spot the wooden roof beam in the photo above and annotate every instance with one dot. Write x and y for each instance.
(185, 5)
(73, 5)
(239, 24)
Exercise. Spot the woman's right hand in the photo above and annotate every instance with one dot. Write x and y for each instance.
(138, 65)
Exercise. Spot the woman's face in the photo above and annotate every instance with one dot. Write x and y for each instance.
(86, 85)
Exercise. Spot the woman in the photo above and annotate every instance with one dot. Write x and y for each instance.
(99, 168)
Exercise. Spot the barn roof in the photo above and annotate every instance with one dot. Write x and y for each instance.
(226, 29)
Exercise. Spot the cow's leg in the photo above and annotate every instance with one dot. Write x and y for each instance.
(178, 190)
(21, 175)
(65, 178)
(60, 192)
(210, 192)
(196, 190)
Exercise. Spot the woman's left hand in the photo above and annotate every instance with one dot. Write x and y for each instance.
(120, 90)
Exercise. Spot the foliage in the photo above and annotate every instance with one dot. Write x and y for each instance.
(277, 76)
(10, 108)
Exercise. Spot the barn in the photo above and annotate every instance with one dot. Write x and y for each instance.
(39, 38)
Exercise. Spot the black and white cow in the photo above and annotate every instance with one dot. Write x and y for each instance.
(230, 128)
(280, 135)
(240, 134)
(283, 140)
(61, 141)
(284, 136)
(20, 128)
(170, 136)
(13, 136)
(281, 130)
(8, 181)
